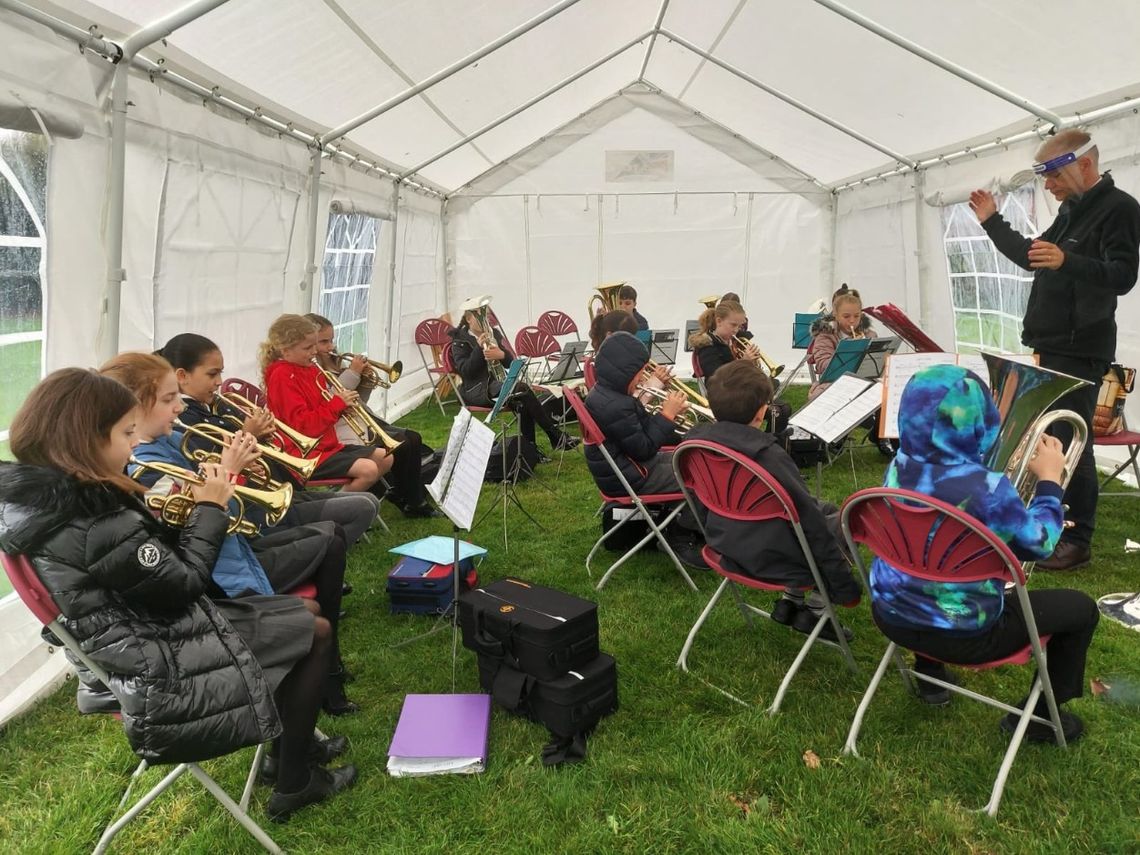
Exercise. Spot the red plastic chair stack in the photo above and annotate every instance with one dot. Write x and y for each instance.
(936, 541)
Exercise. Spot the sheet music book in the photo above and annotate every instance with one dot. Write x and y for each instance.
(894, 319)
(848, 355)
(508, 387)
(902, 366)
(840, 408)
(440, 734)
(663, 350)
(801, 328)
(460, 478)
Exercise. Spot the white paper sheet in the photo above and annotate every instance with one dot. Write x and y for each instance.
(843, 405)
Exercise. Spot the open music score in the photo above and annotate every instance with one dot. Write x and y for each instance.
(460, 478)
(902, 366)
(840, 408)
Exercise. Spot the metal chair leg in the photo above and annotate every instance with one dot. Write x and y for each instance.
(138, 807)
(850, 747)
(240, 815)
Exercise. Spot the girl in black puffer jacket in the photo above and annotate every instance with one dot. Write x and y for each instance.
(131, 590)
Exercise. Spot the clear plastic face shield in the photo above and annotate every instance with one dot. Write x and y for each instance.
(1051, 167)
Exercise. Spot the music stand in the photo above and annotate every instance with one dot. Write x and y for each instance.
(801, 340)
(691, 328)
(848, 355)
(875, 357)
(569, 366)
(663, 349)
(456, 489)
(837, 411)
(507, 493)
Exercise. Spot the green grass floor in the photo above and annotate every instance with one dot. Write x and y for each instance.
(679, 768)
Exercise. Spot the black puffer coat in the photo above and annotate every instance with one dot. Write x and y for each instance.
(479, 388)
(130, 589)
(633, 435)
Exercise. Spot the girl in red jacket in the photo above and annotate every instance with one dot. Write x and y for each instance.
(296, 391)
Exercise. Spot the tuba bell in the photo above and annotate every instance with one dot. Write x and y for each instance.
(606, 300)
(709, 301)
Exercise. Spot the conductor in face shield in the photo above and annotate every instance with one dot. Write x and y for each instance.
(1082, 264)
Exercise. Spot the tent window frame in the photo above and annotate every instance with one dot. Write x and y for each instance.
(988, 293)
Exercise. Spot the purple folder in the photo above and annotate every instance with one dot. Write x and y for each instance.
(442, 726)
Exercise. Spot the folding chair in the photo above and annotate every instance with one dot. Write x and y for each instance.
(589, 372)
(936, 541)
(698, 373)
(592, 437)
(432, 334)
(456, 382)
(1129, 439)
(38, 600)
(731, 485)
(557, 323)
(533, 343)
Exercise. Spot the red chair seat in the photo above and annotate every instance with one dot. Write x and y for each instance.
(1124, 437)
(713, 559)
(1019, 657)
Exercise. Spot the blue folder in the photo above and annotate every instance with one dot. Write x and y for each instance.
(801, 329)
(848, 354)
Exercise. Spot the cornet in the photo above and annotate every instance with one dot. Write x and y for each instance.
(356, 416)
(674, 383)
(739, 345)
(221, 437)
(175, 508)
(375, 373)
(246, 407)
(687, 419)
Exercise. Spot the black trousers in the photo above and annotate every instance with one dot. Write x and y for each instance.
(1069, 616)
(531, 413)
(407, 463)
(1083, 490)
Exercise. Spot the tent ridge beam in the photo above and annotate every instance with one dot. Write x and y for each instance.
(788, 99)
(562, 84)
(653, 39)
(946, 65)
(444, 73)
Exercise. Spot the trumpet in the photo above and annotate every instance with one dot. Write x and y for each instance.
(246, 407)
(175, 508)
(687, 419)
(739, 345)
(674, 383)
(221, 437)
(356, 416)
(606, 300)
(375, 373)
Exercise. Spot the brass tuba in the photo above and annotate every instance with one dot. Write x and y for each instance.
(175, 509)
(375, 373)
(480, 307)
(606, 300)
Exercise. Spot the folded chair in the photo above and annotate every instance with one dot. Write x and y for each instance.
(734, 486)
(631, 499)
(933, 540)
(38, 600)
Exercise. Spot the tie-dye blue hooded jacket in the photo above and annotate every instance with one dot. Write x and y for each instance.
(947, 424)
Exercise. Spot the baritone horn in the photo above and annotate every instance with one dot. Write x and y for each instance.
(606, 300)
(246, 407)
(175, 508)
(375, 373)
(480, 307)
(739, 344)
(221, 437)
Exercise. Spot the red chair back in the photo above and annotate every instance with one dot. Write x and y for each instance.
(927, 538)
(245, 389)
(697, 370)
(432, 332)
(445, 357)
(533, 343)
(557, 323)
(591, 433)
(29, 588)
(730, 484)
(588, 372)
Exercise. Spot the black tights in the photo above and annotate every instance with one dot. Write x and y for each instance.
(298, 703)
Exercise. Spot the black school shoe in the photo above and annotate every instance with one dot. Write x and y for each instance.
(323, 783)
(321, 753)
(930, 694)
(785, 611)
(1071, 726)
(567, 443)
(805, 622)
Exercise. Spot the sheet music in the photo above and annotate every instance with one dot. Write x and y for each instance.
(844, 404)
(900, 368)
(459, 481)
(974, 362)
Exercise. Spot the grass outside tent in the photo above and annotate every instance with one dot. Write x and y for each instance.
(679, 768)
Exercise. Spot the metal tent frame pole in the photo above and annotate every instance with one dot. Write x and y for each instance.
(660, 19)
(116, 180)
(392, 246)
(506, 117)
(943, 63)
(86, 38)
(788, 99)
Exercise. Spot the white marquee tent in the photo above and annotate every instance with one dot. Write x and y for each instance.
(528, 149)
